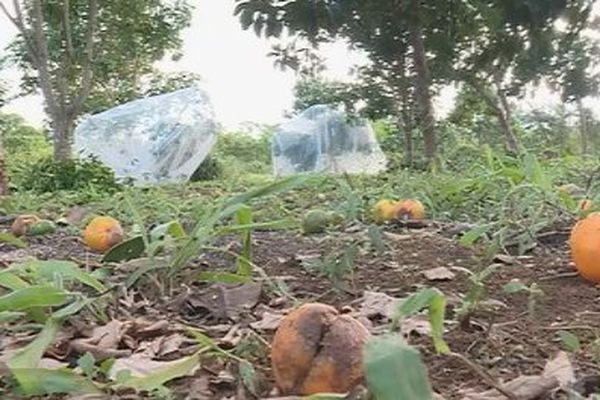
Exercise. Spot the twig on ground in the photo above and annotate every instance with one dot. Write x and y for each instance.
(488, 379)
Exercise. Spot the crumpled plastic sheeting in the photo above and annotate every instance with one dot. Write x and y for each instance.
(322, 139)
(162, 138)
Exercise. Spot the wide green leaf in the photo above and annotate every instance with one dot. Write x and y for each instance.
(28, 358)
(125, 251)
(48, 270)
(395, 371)
(32, 297)
(173, 229)
(40, 381)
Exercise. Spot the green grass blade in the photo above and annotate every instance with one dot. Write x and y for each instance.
(31, 297)
(11, 281)
(244, 262)
(48, 270)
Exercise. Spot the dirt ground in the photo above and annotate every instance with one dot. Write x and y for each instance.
(504, 337)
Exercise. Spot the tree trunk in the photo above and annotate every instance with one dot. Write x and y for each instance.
(3, 173)
(504, 117)
(510, 140)
(405, 121)
(582, 126)
(64, 131)
(62, 108)
(424, 105)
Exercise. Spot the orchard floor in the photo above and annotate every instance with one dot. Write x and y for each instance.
(505, 337)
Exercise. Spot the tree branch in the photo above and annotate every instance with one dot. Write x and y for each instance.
(68, 56)
(67, 30)
(41, 47)
(12, 18)
(87, 76)
(17, 21)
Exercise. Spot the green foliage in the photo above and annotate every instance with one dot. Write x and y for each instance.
(435, 302)
(395, 371)
(336, 266)
(160, 82)
(125, 51)
(244, 263)
(570, 341)
(23, 144)
(241, 154)
(533, 291)
(38, 289)
(316, 221)
(310, 92)
(210, 169)
(471, 302)
(85, 175)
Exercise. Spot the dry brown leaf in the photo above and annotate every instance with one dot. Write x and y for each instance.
(439, 274)
(140, 365)
(104, 341)
(376, 304)
(270, 321)
(170, 344)
(89, 397)
(417, 324)
(51, 363)
(145, 329)
(506, 259)
(523, 387)
(226, 301)
(199, 388)
(560, 367)
(76, 215)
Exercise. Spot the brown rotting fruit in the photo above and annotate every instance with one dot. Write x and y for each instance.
(318, 350)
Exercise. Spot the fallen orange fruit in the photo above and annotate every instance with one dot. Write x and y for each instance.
(409, 210)
(102, 233)
(585, 247)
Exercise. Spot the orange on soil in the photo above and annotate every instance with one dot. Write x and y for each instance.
(585, 247)
(318, 350)
(384, 211)
(409, 210)
(102, 233)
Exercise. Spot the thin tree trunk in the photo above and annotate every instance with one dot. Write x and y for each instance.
(582, 126)
(3, 173)
(62, 110)
(64, 131)
(405, 121)
(426, 119)
(504, 116)
(510, 140)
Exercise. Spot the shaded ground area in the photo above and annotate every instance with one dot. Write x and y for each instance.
(506, 336)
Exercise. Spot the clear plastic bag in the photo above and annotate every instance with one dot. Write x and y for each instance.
(162, 138)
(322, 139)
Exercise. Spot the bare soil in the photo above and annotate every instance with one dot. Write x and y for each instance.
(505, 339)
